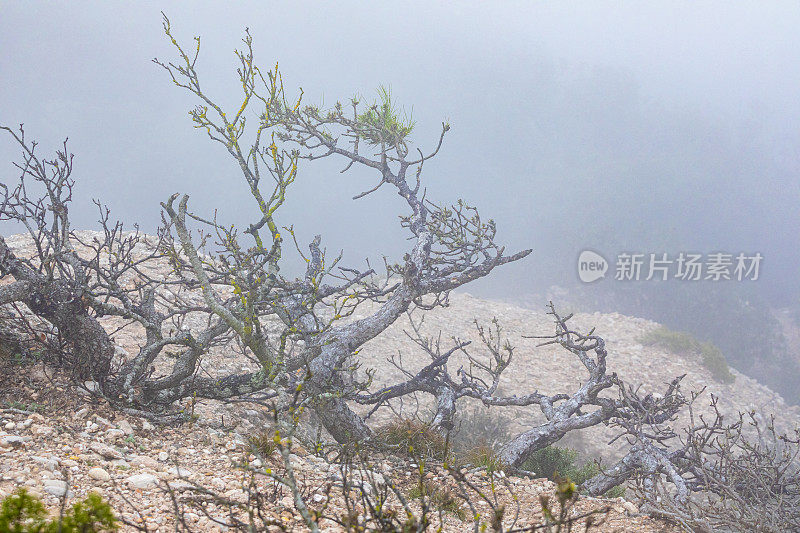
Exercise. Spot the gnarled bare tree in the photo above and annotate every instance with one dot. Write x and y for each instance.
(451, 246)
(240, 279)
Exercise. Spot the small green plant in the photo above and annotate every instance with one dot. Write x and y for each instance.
(381, 123)
(555, 462)
(565, 518)
(90, 515)
(32, 407)
(18, 355)
(438, 497)
(685, 343)
(415, 438)
(23, 513)
(482, 456)
(263, 443)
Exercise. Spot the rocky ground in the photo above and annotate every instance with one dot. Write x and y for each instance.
(55, 440)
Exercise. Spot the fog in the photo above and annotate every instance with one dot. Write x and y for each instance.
(638, 127)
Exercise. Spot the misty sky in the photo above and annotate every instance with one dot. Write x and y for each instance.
(634, 126)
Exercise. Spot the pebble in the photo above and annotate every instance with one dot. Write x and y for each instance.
(103, 422)
(42, 431)
(115, 433)
(105, 451)
(11, 441)
(180, 472)
(56, 487)
(142, 481)
(98, 474)
(143, 460)
(48, 463)
(126, 427)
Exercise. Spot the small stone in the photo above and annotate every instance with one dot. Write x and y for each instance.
(180, 485)
(142, 481)
(115, 433)
(98, 474)
(180, 472)
(10, 425)
(163, 456)
(318, 498)
(235, 494)
(11, 441)
(287, 501)
(42, 431)
(92, 386)
(46, 462)
(104, 422)
(147, 426)
(126, 427)
(143, 460)
(56, 487)
(105, 451)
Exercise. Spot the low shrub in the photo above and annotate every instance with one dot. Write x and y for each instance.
(263, 442)
(414, 438)
(558, 463)
(685, 343)
(482, 456)
(22, 512)
(439, 498)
